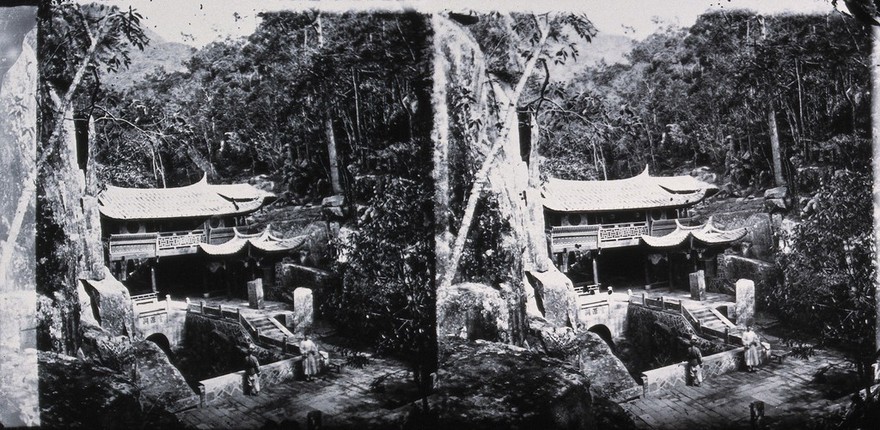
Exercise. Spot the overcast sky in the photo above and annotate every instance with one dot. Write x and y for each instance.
(198, 22)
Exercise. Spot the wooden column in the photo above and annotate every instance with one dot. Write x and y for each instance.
(122, 274)
(564, 267)
(647, 272)
(669, 267)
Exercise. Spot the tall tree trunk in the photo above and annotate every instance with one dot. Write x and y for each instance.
(333, 159)
(875, 143)
(774, 146)
(331, 154)
(440, 135)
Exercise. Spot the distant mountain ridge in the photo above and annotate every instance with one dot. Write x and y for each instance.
(610, 48)
(158, 54)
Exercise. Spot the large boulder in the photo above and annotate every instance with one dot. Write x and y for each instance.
(472, 311)
(760, 235)
(776, 193)
(161, 384)
(111, 305)
(608, 375)
(731, 268)
(316, 249)
(554, 340)
(705, 174)
(555, 297)
(759, 239)
(485, 385)
(290, 276)
(78, 394)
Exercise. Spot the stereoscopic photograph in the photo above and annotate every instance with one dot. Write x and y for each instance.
(406, 215)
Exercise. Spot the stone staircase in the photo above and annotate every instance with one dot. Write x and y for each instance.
(265, 325)
(711, 319)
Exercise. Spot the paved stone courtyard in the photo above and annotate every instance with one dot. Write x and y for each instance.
(377, 389)
(790, 394)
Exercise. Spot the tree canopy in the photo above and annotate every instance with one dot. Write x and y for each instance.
(830, 269)
(701, 97)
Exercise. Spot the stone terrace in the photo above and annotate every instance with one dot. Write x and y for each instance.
(342, 397)
(788, 390)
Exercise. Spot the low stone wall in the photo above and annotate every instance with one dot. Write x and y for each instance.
(231, 384)
(676, 374)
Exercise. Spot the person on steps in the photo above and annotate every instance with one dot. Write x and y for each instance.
(750, 345)
(309, 352)
(252, 370)
(695, 363)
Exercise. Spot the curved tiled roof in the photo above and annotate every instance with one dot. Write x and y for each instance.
(197, 200)
(265, 241)
(706, 234)
(639, 192)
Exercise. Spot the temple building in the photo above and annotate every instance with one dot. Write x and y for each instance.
(612, 227)
(200, 226)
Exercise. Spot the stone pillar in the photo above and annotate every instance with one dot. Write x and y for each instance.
(153, 276)
(564, 267)
(596, 269)
(745, 302)
(303, 309)
(698, 285)
(255, 294)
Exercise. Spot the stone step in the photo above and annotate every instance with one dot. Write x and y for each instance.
(262, 322)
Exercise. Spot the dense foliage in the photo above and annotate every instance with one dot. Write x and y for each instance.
(269, 104)
(830, 269)
(701, 97)
(387, 296)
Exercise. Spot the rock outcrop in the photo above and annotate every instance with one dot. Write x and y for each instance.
(608, 376)
(472, 311)
(555, 297)
(489, 385)
(75, 393)
(161, 384)
(734, 267)
(588, 352)
(759, 241)
(555, 341)
(290, 276)
(111, 305)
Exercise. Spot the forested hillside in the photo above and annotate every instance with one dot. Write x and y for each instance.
(715, 95)
(274, 103)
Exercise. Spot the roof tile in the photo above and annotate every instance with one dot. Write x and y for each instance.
(639, 192)
(197, 200)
